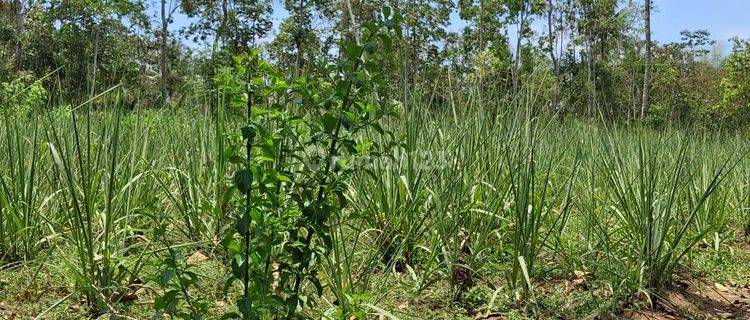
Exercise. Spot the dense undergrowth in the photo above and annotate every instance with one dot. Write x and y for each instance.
(114, 202)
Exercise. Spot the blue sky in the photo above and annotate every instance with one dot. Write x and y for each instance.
(723, 18)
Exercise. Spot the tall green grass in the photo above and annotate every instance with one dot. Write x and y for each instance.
(660, 205)
(504, 197)
(102, 191)
(20, 200)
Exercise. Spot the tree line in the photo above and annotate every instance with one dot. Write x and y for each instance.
(587, 58)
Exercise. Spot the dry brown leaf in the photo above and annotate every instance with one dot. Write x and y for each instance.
(604, 293)
(580, 274)
(197, 257)
(489, 316)
(276, 273)
(721, 287)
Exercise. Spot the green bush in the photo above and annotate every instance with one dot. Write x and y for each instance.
(21, 95)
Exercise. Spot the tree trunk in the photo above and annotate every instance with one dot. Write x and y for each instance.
(298, 60)
(480, 81)
(594, 92)
(647, 68)
(353, 21)
(555, 62)
(18, 14)
(634, 97)
(298, 41)
(591, 74)
(219, 32)
(680, 83)
(481, 25)
(676, 93)
(92, 85)
(517, 63)
(164, 73)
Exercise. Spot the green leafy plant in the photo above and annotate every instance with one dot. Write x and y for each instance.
(294, 161)
(21, 95)
(176, 278)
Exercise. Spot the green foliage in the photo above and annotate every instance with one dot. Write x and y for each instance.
(21, 96)
(299, 42)
(176, 278)
(736, 84)
(296, 160)
(225, 23)
(107, 43)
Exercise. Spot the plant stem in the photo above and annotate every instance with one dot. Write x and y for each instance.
(248, 195)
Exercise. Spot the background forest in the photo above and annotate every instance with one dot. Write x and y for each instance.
(588, 54)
